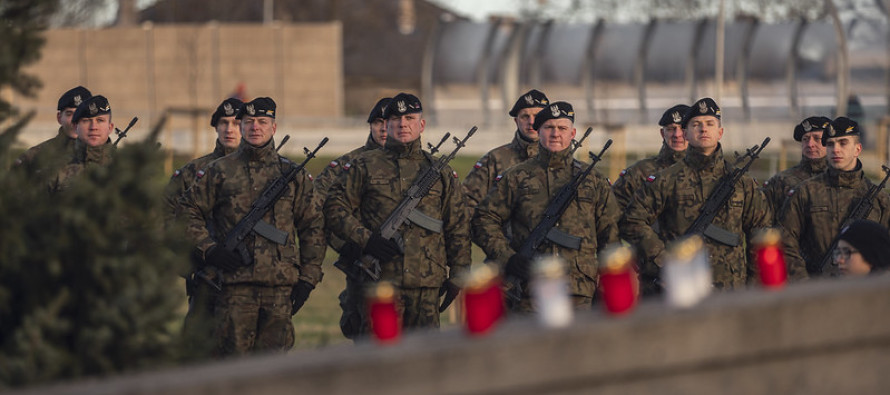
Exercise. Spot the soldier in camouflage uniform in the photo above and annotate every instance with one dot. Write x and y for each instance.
(351, 299)
(815, 209)
(521, 195)
(812, 162)
(436, 250)
(673, 148)
(263, 288)
(93, 147)
(674, 197)
(524, 146)
(62, 145)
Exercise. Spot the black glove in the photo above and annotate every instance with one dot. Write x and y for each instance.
(519, 266)
(299, 294)
(450, 291)
(382, 249)
(222, 258)
(350, 251)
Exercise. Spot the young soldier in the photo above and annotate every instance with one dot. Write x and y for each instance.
(62, 145)
(93, 125)
(436, 248)
(521, 195)
(264, 287)
(674, 197)
(673, 148)
(812, 162)
(815, 209)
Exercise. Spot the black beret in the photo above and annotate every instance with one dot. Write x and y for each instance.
(811, 124)
(259, 107)
(73, 98)
(673, 115)
(377, 112)
(705, 106)
(556, 110)
(840, 127)
(532, 98)
(228, 108)
(92, 107)
(401, 104)
(872, 240)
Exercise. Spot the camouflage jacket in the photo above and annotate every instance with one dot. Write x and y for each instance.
(326, 177)
(633, 177)
(369, 189)
(520, 197)
(223, 193)
(814, 211)
(59, 146)
(185, 176)
(495, 162)
(776, 188)
(82, 157)
(674, 198)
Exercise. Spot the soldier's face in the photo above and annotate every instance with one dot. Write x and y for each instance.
(228, 132)
(704, 132)
(842, 152)
(557, 134)
(64, 118)
(257, 131)
(524, 121)
(673, 136)
(378, 131)
(95, 131)
(811, 145)
(405, 128)
(854, 264)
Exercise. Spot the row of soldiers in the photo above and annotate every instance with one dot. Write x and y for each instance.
(243, 298)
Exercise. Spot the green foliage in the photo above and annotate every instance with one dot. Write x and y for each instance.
(21, 25)
(88, 276)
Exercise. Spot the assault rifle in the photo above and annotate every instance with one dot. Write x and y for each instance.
(123, 134)
(703, 225)
(435, 148)
(405, 211)
(577, 144)
(253, 221)
(860, 211)
(546, 228)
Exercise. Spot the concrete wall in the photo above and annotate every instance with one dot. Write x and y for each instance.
(827, 337)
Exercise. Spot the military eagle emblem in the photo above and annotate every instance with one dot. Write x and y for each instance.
(227, 108)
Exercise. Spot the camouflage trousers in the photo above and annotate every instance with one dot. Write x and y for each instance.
(197, 330)
(417, 307)
(252, 318)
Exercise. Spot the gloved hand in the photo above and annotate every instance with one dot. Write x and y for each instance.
(223, 259)
(299, 294)
(381, 248)
(350, 251)
(450, 290)
(519, 266)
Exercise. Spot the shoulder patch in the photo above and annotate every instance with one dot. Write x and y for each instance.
(609, 181)
(454, 174)
(347, 166)
(498, 178)
(333, 163)
(477, 165)
(177, 173)
(623, 172)
(791, 192)
(650, 178)
(200, 174)
(765, 183)
(310, 176)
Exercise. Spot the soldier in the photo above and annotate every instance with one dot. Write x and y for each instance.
(673, 148)
(228, 137)
(351, 300)
(262, 288)
(521, 195)
(816, 208)
(436, 250)
(62, 145)
(812, 162)
(674, 197)
(93, 147)
(524, 146)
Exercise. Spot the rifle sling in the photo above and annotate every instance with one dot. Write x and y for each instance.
(721, 235)
(425, 221)
(564, 239)
(270, 232)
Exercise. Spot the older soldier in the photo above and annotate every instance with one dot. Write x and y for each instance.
(812, 162)
(674, 197)
(351, 301)
(523, 146)
(93, 125)
(673, 148)
(436, 249)
(263, 288)
(815, 209)
(521, 195)
(62, 145)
